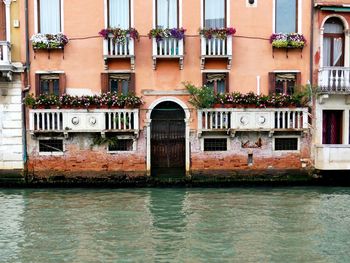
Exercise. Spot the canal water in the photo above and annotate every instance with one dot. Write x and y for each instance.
(175, 225)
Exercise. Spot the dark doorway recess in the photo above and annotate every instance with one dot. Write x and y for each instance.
(168, 140)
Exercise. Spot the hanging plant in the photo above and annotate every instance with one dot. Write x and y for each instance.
(159, 34)
(220, 33)
(119, 35)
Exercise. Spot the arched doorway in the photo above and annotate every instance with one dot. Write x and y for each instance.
(333, 43)
(168, 136)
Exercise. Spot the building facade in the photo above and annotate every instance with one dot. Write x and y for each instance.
(167, 132)
(332, 75)
(11, 133)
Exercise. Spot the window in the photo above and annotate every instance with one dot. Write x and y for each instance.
(2, 21)
(49, 16)
(218, 81)
(333, 43)
(215, 144)
(51, 145)
(332, 129)
(119, 13)
(214, 13)
(121, 145)
(286, 144)
(167, 14)
(286, 17)
(283, 82)
(123, 83)
(50, 84)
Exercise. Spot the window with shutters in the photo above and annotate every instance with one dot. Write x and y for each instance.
(123, 83)
(49, 16)
(119, 13)
(50, 84)
(286, 16)
(283, 82)
(219, 82)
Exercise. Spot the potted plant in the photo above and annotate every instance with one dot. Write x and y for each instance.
(49, 41)
(220, 33)
(119, 35)
(293, 40)
(201, 97)
(159, 34)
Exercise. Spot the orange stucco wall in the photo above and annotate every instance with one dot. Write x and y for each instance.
(252, 53)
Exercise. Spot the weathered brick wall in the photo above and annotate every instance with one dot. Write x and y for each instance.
(235, 159)
(82, 159)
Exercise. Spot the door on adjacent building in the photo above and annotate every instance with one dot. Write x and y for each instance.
(333, 43)
(168, 139)
(332, 127)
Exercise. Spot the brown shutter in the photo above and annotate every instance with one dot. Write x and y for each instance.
(104, 83)
(132, 86)
(298, 79)
(62, 83)
(204, 79)
(227, 82)
(37, 84)
(2, 22)
(272, 82)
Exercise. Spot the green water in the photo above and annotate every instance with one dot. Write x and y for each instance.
(175, 225)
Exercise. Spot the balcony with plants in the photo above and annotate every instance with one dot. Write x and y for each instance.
(167, 44)
(108, 112)
(119, 43)
(232, 112)
(216, 43)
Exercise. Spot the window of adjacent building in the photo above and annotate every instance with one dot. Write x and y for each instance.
(119, 13)
(49, 18)
(286, 144)
(214, 13)
(215, 144)
(121, 145)
(53, 145)
(167, 13)
(219, 82)
(284, 82)
(2, 21)
(333, 43)
(286, 19)
(332, 127)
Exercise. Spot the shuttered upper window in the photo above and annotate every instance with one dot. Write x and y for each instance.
(49, 16)
(122, 83)
(284, 82)
(50, 84)
(219, 82)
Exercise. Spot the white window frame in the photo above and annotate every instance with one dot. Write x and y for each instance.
(286, 151)
(300, 17)
(124, 137)
(51, 153)
(155, 13)
(228, 143)
(228, 18)
(106, 15)
(36, 22)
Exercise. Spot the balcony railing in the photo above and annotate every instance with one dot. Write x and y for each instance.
(112, 49)
(334, 80)
(232, 120)
(5, 53)
(216, 48)
(168, 48)
(72, 120)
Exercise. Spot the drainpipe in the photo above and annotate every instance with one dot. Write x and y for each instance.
(24, 91)
(312, 43)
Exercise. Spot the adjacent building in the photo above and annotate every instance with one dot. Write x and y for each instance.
(11, 127)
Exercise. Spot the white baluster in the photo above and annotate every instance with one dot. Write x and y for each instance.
(206, 120)
(209, 46)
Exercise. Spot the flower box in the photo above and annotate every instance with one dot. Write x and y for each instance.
(293, 40)
(119, 35)
(220, 33)
(49, 41)
(160, 34)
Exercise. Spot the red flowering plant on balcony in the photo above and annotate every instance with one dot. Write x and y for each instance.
(119, 35)
(293, 40)
(220, 33)
(159, 34)
(105, 100)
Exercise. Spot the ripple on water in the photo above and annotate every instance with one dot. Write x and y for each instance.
(175, 225)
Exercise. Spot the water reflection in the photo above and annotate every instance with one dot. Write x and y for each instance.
(175, 225)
